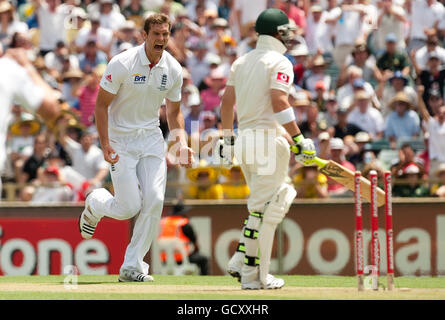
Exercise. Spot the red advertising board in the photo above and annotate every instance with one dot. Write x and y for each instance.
(43, 246)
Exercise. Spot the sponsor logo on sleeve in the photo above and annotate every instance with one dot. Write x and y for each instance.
(108, 78)
(283, 78)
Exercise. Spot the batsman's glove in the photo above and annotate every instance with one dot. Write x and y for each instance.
(304, 150)
(224, 151)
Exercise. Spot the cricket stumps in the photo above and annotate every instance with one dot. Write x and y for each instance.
(375, 244)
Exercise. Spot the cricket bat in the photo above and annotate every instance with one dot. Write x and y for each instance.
(345, 177)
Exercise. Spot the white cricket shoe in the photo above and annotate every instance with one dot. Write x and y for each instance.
(235, 265)
(88, 221)
(134, 276)
(272, 283)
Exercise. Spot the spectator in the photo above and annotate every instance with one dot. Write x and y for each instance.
(71, 84)
(178, 43)
(245, 14)
(134, 8)
(249, 40)
(204, 182)
(330, 110)
(211, 97)
(407, 156)
(357, 147)
(208, 135)
(438, 188)
(310, 184)
(318, 32)
(410, 184)
(193, 6)
(398, 83)
(293, 12)
(402, 122)
(431, 78)
(95, 32)
(22, 141)
(91, 57)
(8, 24)
(35, 161)
(87, 158)
(435, 101)
(51, 15)
(432, 45)
(300, 103)
(51, 188)
(361, 58)
(393, 59)
(109, 18)
(425, 16)
(321, 95)
(309, 127)
(299, 58)
(188, 88)
(127, 34)
(60, 61)
(177, 225)
(235, 187)
(193, 117)
(337, 153)
(343, 128)
(88, 95)
(77, 20)
(435, 127)
(363, 115)
(391, 19)
(197, 64)
(347, 19)
(316, 74)
(345, 94)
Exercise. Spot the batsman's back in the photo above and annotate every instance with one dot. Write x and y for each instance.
(253, 75)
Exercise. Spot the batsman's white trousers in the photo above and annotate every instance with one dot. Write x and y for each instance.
(139, 179)
(264, 159)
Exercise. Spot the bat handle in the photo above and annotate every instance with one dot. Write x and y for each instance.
(321, 163)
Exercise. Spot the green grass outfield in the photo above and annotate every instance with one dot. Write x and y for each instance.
(213, 288)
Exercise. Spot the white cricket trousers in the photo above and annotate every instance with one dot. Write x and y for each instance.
(139, 179)
(264, 157)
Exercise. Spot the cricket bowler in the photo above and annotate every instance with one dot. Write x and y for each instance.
(132, 90)
(259, 83)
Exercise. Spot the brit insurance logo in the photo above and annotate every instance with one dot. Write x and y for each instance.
(138, 78)
(163, 82)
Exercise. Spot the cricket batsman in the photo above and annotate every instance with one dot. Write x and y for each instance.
(259, 83)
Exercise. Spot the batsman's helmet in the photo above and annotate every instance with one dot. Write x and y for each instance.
(272, 22)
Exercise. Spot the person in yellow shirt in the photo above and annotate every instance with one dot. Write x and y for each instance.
(235, 187)
(204, 182)
(310, 184)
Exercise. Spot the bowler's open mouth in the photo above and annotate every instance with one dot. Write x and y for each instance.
(159, 47)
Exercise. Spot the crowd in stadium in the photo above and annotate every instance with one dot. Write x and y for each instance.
(368, 89)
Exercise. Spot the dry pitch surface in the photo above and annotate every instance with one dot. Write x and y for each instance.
(213, 287)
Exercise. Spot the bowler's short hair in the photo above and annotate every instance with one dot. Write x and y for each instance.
(156, 18)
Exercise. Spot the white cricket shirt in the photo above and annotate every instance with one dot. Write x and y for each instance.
(436, 142)
(253, 75)
(86, 163)
(17, 86)
(139, 89)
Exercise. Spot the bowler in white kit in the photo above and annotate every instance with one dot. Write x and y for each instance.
(132, 90)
